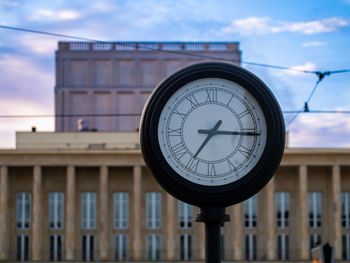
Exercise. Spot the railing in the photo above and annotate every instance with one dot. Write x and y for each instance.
(149, 46)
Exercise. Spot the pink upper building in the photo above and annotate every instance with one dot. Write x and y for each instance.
(106, 85)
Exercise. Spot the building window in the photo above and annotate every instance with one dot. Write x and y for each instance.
(88, 248)
(185, 215)
(121, 247)
(315, 209)
(283, 247)
(345, 209)
(251, 212)
(23, 202)
(346, 246)
(153, 247)
(251, 247)
(88, 210)
(56, 210)
(315, 240)
(56, 248)
(22, 248)
(121, 210)
(282, 209)
(185, 247)
(154, 213)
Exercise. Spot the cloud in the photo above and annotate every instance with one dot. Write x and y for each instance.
(59, 15)
(321, 130)
(8, 126)
(47, 45)
(313, 44)
(23, 78)
(26, 88)
(9, 3)
(308, 66)
(264, 25)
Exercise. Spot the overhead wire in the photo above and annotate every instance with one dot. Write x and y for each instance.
(305, 108)
(320, 74)
(189, 53)
(9, 116)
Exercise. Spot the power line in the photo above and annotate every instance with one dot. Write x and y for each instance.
(319, 111)
(69, 115)
(306, 108)
(172, 51)
(320, 74)
(49, 33)
(10, 116)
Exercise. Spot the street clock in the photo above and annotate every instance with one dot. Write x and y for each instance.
(212, 134)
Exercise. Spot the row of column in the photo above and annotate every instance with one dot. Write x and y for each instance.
(136, 246)
(70, 244)
(335, 223)
(302, 219)
(70, 228)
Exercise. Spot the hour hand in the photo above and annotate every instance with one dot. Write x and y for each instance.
(228, 132)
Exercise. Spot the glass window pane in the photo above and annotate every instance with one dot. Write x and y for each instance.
(23, 210)
(250, 208)
(282, 209)
(153, 208)
(121, 210)
(88, 210)
(315, 209)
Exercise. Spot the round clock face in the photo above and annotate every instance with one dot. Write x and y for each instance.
(212, 131)
(212, 134)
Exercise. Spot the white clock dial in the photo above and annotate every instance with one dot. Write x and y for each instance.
(212, 131)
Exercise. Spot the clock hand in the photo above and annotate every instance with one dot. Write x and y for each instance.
(210, 133)
(228, 132)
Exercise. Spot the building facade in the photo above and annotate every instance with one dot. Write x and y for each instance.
(114, 80)
(73, 200)
(88, 196)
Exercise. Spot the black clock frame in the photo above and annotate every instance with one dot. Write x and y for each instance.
(223, 195)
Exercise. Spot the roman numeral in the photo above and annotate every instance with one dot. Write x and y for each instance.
(244, 113)
(244, 151)
(211, 170)
(212, 95)
(230, 165)
(174, 132)
(229, 100)
(192, 99)
(193, 164)
(182, 115)
(178, 150)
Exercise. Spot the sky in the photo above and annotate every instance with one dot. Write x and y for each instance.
(311, 35)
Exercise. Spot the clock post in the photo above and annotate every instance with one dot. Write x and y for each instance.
(214, 218)
(212, 135)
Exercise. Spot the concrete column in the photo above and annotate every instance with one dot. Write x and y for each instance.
(4, 227)
(37, 215)
(103, 215)
(137, 245)
(237, 231)
(70, 214)
(269, 220)
(302, 222)
(336, 213)
(171, 227)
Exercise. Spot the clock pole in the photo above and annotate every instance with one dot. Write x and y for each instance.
(213, 218)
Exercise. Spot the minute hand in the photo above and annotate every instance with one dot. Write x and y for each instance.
(228, 132)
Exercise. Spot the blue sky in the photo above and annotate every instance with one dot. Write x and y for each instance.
(310, 35)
